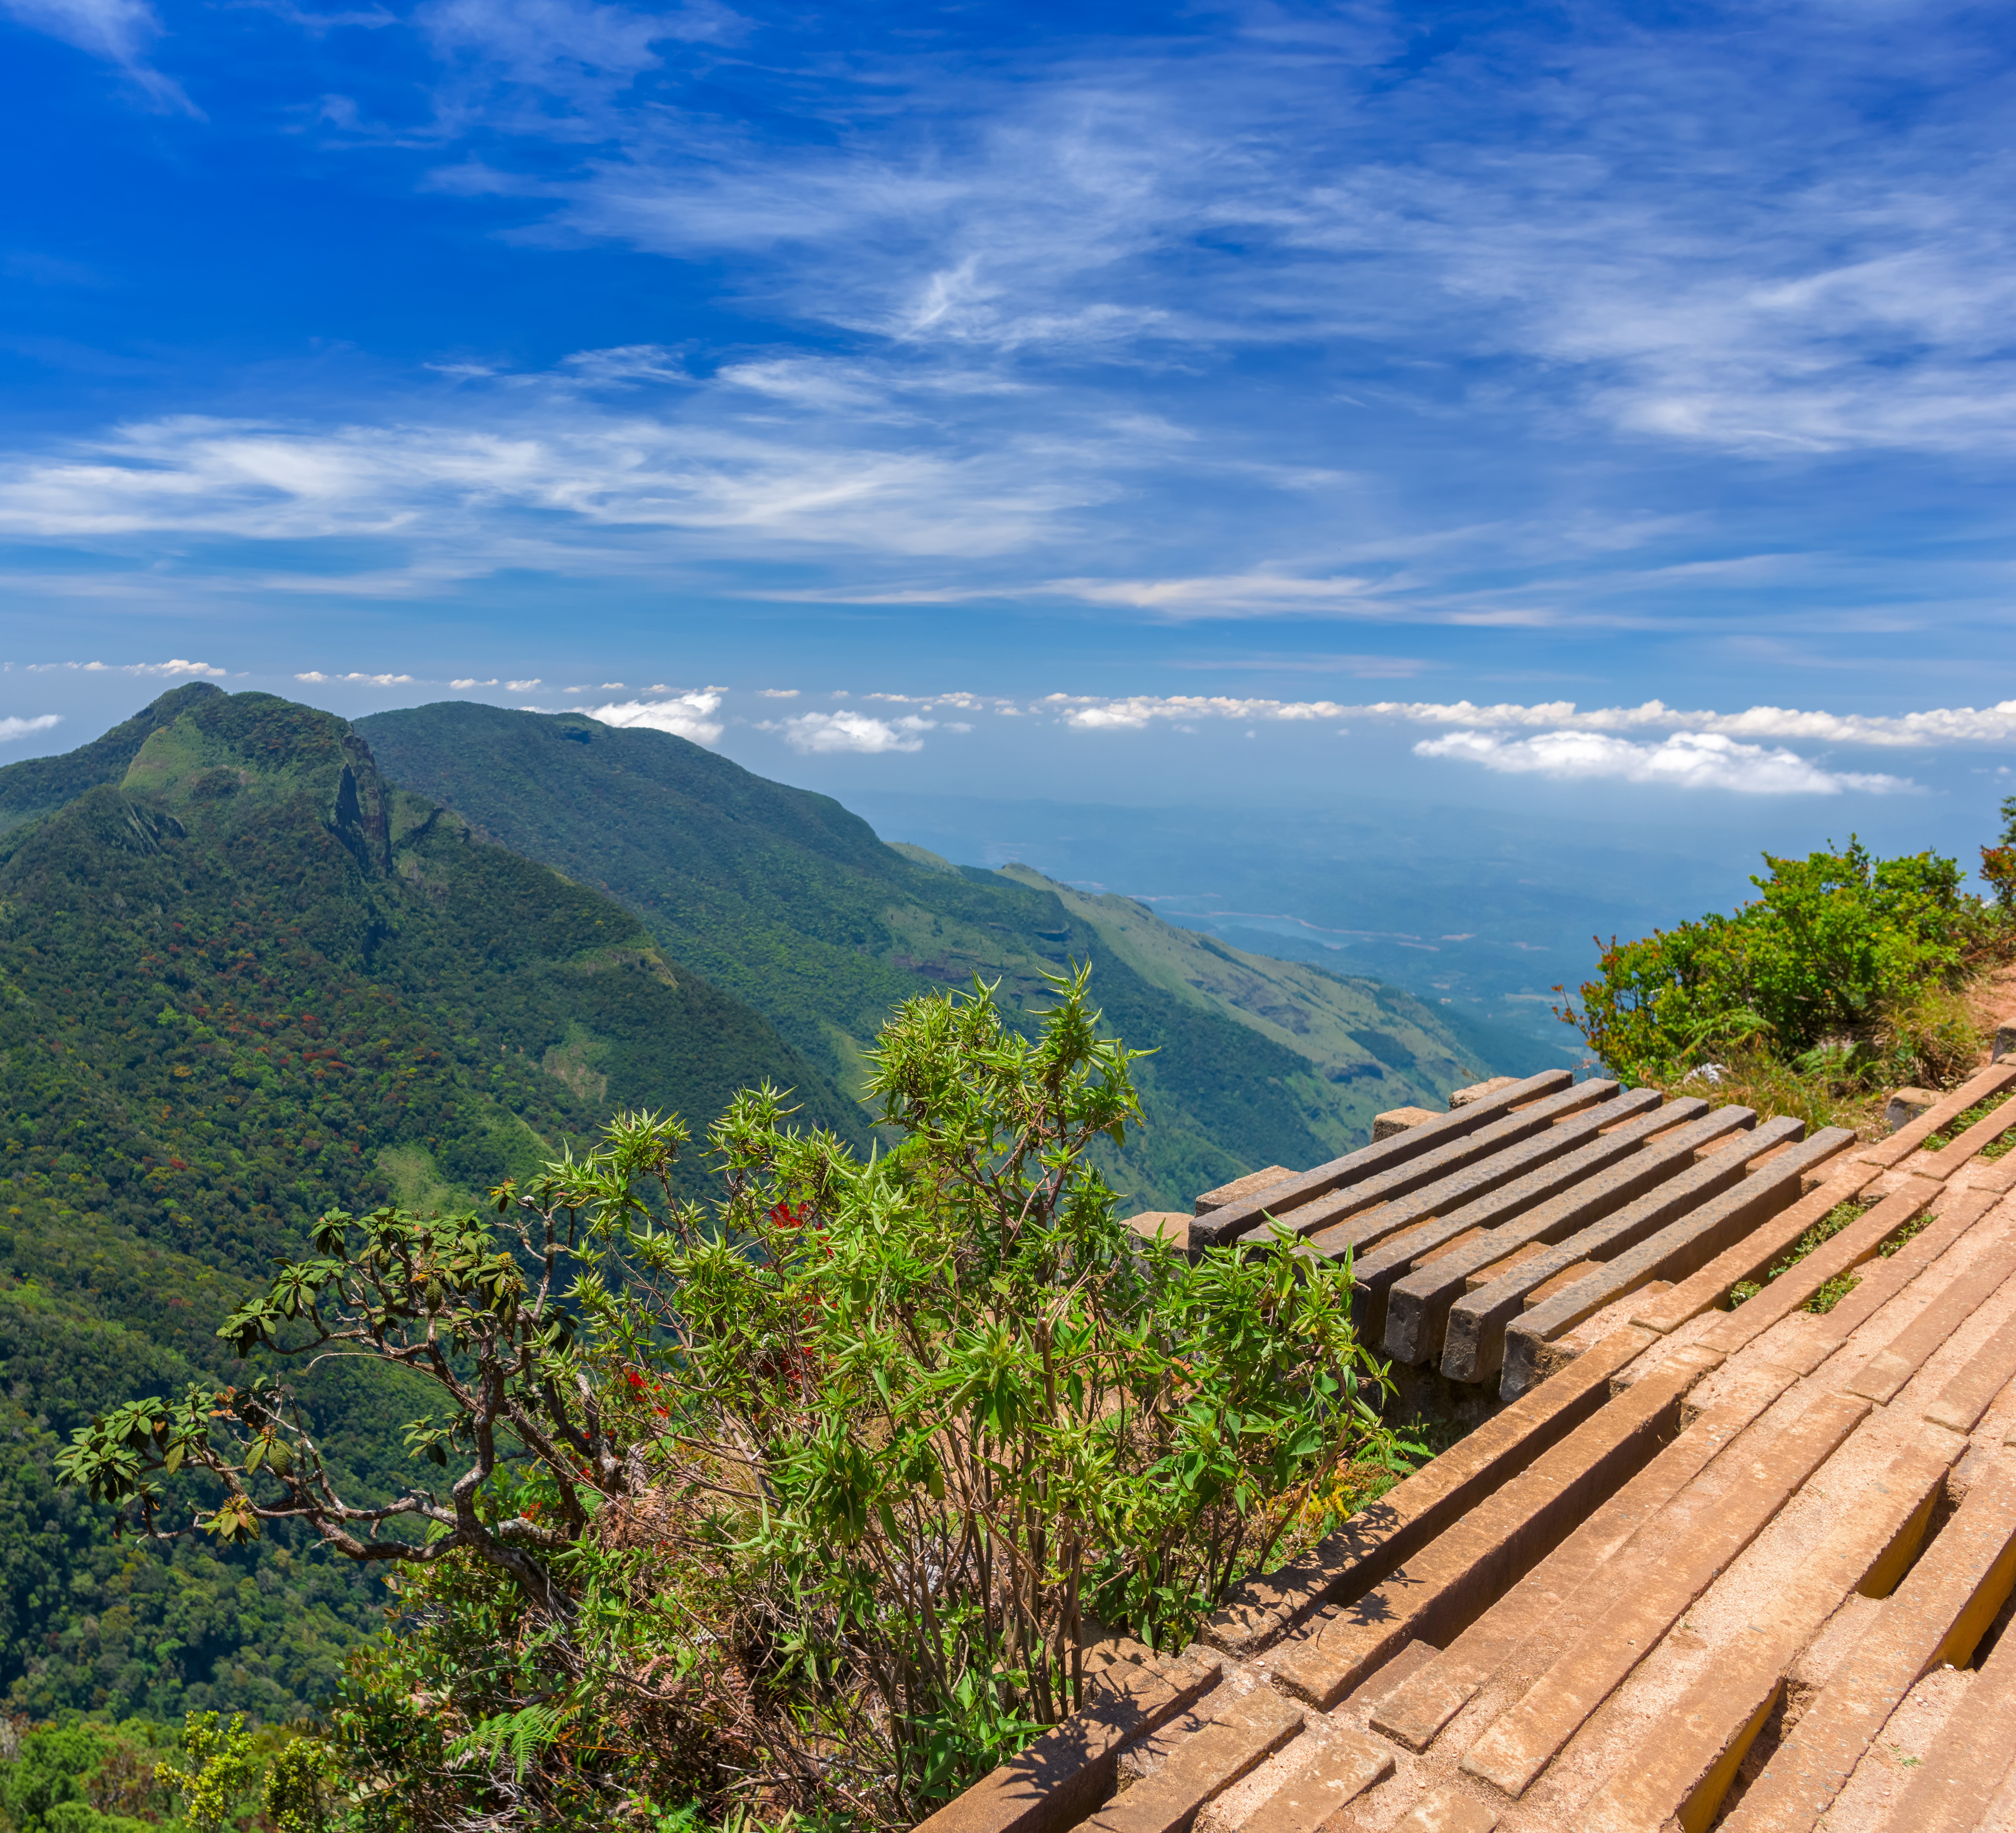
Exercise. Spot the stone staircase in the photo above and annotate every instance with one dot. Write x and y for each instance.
(1744, 1566)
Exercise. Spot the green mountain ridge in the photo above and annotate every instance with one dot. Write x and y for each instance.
(787, 901)
(243, 981)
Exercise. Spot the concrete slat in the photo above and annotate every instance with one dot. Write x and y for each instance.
(1474, 1342)
(1677, 1250)
(1670, 1561)
(1346, 1765)
(1684, 1765)
(1983, 1133)
(1752, 1255)
(1069, 1770)
(1961, 1775)
(1242, 1734)
(1481, 1196)
(1580, 1189)
(1416, 1712)
(1937, 1614)
(1459, 1575)
(1878, 1279)
(1886, 1373)
(1369, 1162)
(1857, 1242)
(1372, 1209)
(1906, 1140)
(1346, 1564)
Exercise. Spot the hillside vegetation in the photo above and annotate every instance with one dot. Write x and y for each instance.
(242, 981)
(789, 902)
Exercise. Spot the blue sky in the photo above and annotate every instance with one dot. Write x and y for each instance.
(1331, 401)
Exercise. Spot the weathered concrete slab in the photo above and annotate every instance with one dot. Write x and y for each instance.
(1241, 1188)
(1069, 1770)
(1669, 1563)
(1347, 1764)
(1983, 1133)
(1879, 1279)
(1241, 1734)
(1348, 1563)
(1416, 1711)
(1684, 1768)
(1368, 1162)
(1458, 1172)
(1544, 1206)
(1457, 1576)
(1753, 1255)
(1906, 1140)
(1884, 1375)
(1956, 1781)
(1474, 1344)
(1681, 1248)
(1939, 1614)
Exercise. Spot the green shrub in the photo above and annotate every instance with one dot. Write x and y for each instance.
(1843, 970)
(809, 1501)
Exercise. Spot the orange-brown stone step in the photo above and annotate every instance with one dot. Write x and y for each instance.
(1345, 1764)
(1885, 1375)
(1754, 1255)
(1906, 1140)
(1671, 1560)
(1681, 1248)
(1959, 1778)
(1069, 1770)
(1857, 1242)
(1453, 1177)
(1684, 1768)
(1458, 1575)
(1576, 1192)
(1415, 1713)
(1371, 1161)
(1879, 1280)
(1937, 1614)
(1349, 1563)
(1963, 1400)
(1983, 1133)
(1240, 1734)
(1474, 1340)
(1447, 1812)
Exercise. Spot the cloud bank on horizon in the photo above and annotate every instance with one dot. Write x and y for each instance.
(1659, 360)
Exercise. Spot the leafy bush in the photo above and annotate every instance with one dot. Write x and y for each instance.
(1843, 970)
(809, 1500)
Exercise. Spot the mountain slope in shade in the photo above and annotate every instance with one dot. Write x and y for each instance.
(789, 902)
(242, 981)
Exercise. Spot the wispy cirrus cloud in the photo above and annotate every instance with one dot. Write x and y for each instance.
(122, 32)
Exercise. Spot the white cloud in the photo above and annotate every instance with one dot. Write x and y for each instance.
(685, 715)
(14, 727)
(469, 680)
(176, 667)
(778, 693)
(366, 680)
(120, 31)
(523, 687)
(1687, 760)
(1221, 594)
(853, 731)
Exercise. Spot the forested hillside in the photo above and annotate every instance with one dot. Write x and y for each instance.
(795, 905)
(242, 981)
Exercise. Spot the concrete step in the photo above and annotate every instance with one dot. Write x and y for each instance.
(1957, 1780)
(1906, 1140)
(1457, 1577)
(1937, 1616)
(1671, 1560)
(1684, 1769)
(1329, 1217)
(1474, 1347)
(1751, 1257)
(1884, 1375)
(1681, 1248)
(1237, 1735)
(1415, 1713)
(1349, 1563)
(1237, 1218)
(1593, 1183)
